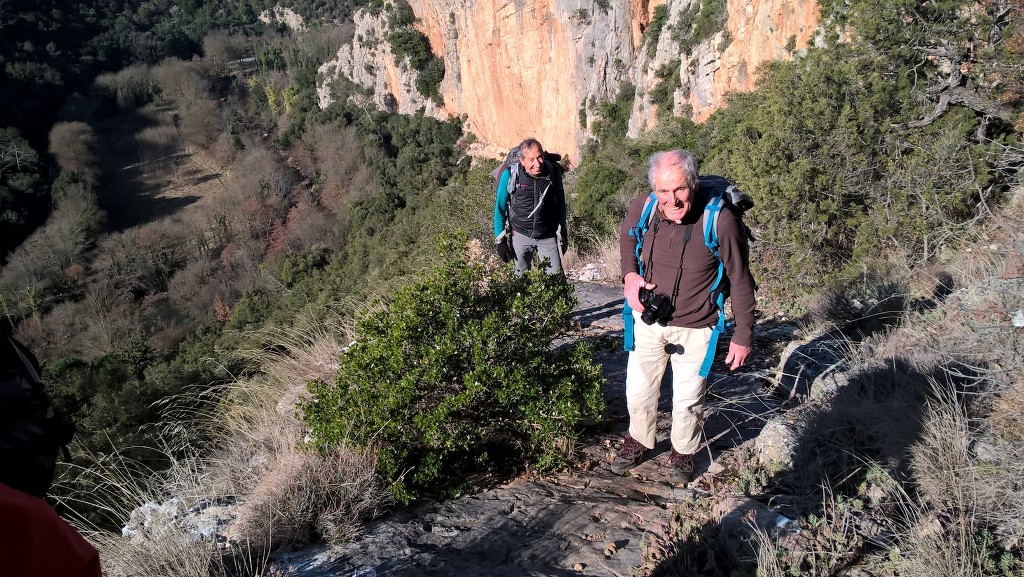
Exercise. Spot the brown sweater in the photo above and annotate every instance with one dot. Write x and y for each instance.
(661, 256)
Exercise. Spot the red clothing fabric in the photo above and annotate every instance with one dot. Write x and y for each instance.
(36, 542)
(663, 246)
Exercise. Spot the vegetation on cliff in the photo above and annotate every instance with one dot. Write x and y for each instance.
(881, 155)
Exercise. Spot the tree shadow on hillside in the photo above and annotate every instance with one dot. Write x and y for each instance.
(126, 211)
(147, 175)
(872, 419)
(871, 424)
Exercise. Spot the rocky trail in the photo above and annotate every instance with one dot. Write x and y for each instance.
(583, 521)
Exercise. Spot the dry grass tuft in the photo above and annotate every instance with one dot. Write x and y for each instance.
(290, 495)
(941, 461)
(862, 307)
(936, 404)
(307, 496)
(604, 256)
(1007, 416)
(284, 494)
(173, 554)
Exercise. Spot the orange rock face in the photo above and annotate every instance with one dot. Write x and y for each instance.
(540, 67)
(515, 62)
(760, 31)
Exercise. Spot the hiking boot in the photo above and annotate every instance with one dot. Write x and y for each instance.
(680, 467)
(630, 455)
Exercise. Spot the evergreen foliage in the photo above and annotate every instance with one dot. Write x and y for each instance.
(613, 116)
(847, 152)
(663, 94)
(698, 22)
(460, 375)
(21, 187)
(825, 147)
(653, 31)
(408, 42)
(597, 196)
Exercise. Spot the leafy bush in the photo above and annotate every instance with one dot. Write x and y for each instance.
(402, 15)
(614, 114)
(653, 31)
(428, 81)
(698, 23)
(412, 43)
(597, 201)
(459, 375)
(663, 94)
(408, 41)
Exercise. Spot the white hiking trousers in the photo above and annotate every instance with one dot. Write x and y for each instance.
(646, 366)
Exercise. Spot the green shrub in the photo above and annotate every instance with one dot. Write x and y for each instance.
(402, 15)
(458, 376)
(663, 94)
(698, 23)
(412, 43)
(613, 115)
(653, 31)
(428, 81)
(839, 175)
(408, 41)
(597, 201)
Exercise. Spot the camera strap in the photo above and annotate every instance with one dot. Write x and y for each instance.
(679, 273)
(682, 252)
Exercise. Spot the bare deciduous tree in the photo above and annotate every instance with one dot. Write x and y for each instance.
(73, 144)
(132, 86)
(181, 82)
(221, 48)
(201, 122)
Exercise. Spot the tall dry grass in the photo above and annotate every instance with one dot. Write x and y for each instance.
(253, 456)
(938, 399)
(602, 256)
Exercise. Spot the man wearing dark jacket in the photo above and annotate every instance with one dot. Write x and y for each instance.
(677, 264)
(532, 209)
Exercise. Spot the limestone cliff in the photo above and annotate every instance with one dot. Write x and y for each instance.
(517, 68)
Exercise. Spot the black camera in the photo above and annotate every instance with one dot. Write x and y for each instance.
(657, 307)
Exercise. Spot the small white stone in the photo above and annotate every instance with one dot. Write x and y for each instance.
(1018, 318)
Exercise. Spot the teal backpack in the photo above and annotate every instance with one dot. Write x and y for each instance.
(722, 194)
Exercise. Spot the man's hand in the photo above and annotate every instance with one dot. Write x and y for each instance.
(631, 290)
(737, 356)
(504, 249)
(563, 242)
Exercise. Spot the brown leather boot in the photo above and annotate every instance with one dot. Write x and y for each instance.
(680, 467)
(630, 455)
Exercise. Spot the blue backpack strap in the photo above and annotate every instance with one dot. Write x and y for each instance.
(712, 211)
(637, 232)
(627, 327)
